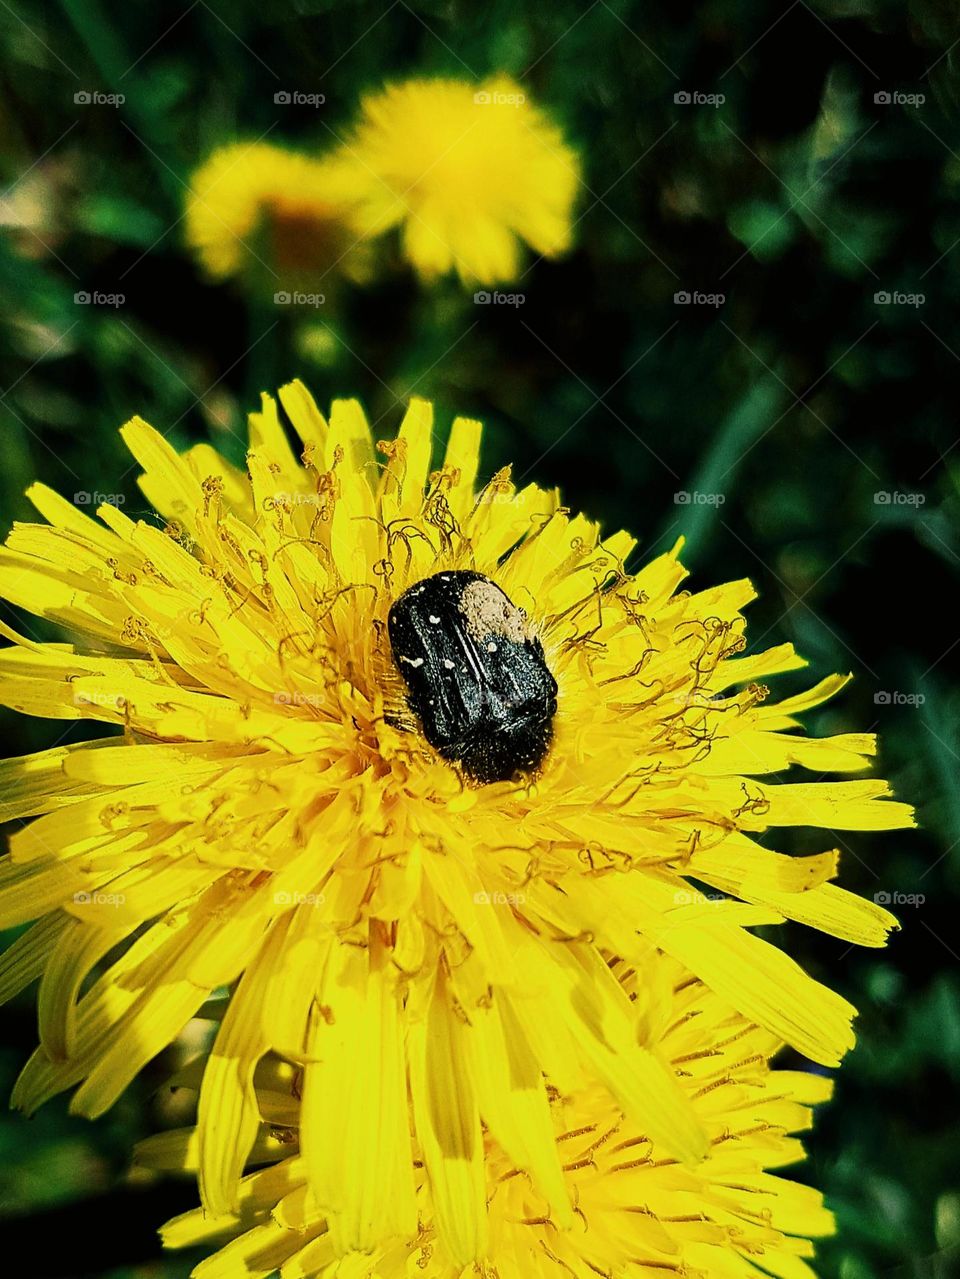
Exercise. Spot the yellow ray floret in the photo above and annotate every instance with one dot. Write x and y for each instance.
(275, 213)
(621, 1203)
(272, 820)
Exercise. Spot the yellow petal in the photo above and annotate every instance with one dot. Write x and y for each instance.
(448, 1127)
(228, 1114)
(355, 1097)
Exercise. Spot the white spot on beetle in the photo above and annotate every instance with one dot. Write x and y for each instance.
(412, 661)
(491, 647)
(434, 620)
(448, 664)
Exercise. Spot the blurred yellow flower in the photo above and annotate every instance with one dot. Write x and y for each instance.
(616, 1202)
(253, 205)
(467, 171)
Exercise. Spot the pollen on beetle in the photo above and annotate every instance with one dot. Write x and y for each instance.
(488, 612)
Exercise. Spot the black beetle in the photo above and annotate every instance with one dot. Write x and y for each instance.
(477, 680)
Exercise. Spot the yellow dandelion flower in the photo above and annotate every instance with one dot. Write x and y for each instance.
(274, 815)
(257, 206)
(467, 172)
(621, 1204)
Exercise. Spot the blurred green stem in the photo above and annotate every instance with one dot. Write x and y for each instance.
(717, 473)
(114, 63)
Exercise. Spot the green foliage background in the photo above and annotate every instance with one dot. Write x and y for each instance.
(797, 400)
